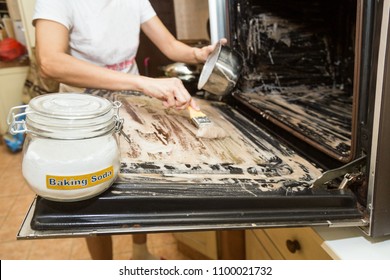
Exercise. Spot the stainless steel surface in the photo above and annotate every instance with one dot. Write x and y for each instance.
(378, 183)
(217, 11)
(221, 71)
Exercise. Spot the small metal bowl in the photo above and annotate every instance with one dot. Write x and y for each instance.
(221, 71)
(183, 71)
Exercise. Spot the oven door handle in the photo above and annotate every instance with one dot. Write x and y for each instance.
(338, 172)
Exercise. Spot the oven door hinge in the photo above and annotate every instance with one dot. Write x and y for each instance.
(350, 171)
(349, 179)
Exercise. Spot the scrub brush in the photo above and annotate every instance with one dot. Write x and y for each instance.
(206, 128)
(198, 118)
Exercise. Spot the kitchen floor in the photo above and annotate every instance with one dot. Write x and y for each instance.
(15, 199)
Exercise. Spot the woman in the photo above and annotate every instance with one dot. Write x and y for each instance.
(93, 44)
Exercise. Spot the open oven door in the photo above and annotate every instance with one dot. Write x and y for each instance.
(171, 180)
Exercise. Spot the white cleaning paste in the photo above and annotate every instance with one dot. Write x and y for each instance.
(71, 151)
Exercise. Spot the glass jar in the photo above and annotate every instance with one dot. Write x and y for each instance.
(71, 150)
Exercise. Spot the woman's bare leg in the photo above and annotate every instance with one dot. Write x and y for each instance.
(100, 247)
(140, 249)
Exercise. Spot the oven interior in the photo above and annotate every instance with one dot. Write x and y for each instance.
(302, 76)
(291, 117)
(300, 71)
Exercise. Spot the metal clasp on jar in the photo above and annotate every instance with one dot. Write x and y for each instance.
(16, 122)
(119, 121)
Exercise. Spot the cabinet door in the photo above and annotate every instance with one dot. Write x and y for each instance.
(11, 80)
(204, 242)
(260, 246)
(254, 249)
(297, 243)
(26, 9)
(284, 244)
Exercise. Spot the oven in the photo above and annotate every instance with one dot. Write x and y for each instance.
(307, 130)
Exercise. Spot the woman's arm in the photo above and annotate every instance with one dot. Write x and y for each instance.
(54, 62)
(172, 48)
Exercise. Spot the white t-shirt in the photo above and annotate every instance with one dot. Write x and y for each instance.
(103, 32)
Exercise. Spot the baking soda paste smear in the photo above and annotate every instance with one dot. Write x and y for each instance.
(71, 150)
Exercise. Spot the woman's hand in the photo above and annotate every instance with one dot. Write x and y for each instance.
(170, 91)
(201, 54)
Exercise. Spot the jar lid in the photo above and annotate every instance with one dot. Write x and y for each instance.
(71, 116)
(70, 105)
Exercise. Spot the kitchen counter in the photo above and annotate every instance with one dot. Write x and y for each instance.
(22, 61)
(353, 244)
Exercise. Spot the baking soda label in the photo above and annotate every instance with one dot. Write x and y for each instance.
(55, 182)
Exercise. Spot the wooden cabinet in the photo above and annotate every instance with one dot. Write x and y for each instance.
(13, 75)
(198, 245)
(254, 248)
(214, 245)
(11, 80)
(301, 243)
(284, 243)
(26, 10)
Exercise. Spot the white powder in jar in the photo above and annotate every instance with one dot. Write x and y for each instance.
(71, 151)
(71, 163)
